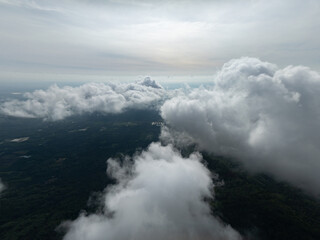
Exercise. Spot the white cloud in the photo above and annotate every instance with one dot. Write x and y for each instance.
(265, 116)
(57, 103)
(160, 195)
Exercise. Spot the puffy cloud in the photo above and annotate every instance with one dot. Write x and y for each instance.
(57, 103)
(150, 83)
(158, 195)
(267, 117)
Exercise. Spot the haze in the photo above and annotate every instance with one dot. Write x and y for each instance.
(120, 40)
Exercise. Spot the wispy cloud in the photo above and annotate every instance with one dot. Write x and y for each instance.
(143, 37)
(2, 186)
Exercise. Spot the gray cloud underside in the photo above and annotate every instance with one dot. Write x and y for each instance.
(57, 103)
(269, 118)
(158, 196)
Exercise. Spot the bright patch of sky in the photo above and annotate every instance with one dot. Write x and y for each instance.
(78, 40)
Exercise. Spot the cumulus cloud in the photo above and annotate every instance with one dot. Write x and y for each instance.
(57, 103)
(267, 117)
(150, 83)
(158, 195)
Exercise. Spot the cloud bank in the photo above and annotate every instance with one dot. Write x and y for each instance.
(57, 103)
(267, 117)
(160, 195)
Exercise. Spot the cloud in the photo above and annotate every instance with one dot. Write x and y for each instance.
(56, 39)
(2, 186)
(265, 116)
(150, 83)
(57, 103)
(160, 195)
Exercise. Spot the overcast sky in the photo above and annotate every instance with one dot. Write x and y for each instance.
(96, 40)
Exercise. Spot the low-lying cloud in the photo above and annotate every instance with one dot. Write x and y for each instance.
(2, 186)
(57, 103)
(267, 117)
(158, 195)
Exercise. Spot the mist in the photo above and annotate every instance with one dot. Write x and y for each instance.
(264, 116)
(158, 195)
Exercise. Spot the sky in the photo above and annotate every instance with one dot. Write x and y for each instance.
(79, 40)
(262, 109)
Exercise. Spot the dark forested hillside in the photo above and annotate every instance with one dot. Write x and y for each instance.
(51, 176)
(51, 169)
(262, 208)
